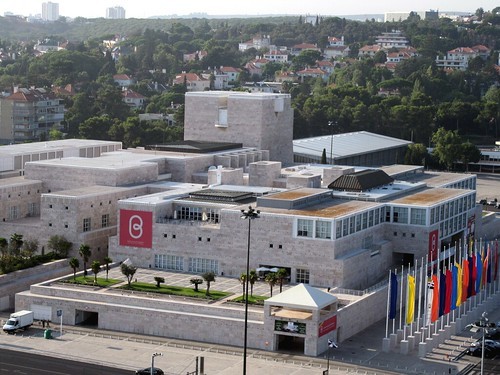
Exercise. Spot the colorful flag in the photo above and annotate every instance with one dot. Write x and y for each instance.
(473, 275)
(449, 292)
(459, 284)
(435, 299)
(465, 279)
(479, 272)
(496, 260)
(454, 287)
(486, 268)
(410, 299)
(442, 293)
(393, 296)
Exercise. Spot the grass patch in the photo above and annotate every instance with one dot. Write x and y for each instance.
(253, 300)
(176, 290)
(89, 280)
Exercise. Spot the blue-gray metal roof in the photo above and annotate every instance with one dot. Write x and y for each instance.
(347, 144)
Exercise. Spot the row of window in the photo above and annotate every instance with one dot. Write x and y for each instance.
(87, 223)
(198, 214)
(67, 207)
(195, 265)
(202, 265)
(453, 214)
(14, 212)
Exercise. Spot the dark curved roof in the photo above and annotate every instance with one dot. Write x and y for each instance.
(361, 181)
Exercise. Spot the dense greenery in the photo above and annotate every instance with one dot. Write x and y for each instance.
(92, 281)
(417, 97)
(176, 290)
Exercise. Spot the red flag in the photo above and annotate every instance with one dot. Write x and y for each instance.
(449, 288)
(496, 260)
(435, 299)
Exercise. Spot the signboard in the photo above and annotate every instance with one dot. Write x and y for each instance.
(433, 245)
(327, 326)
(136, 228)
(59, 313)
(292, 327)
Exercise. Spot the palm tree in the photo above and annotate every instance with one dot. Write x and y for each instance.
(96, 268)
(74, 263)
(243, 280)
(271, 279)
(208, 277)
(252, 280)
(85, 252)
(281, 275)
(107, 261)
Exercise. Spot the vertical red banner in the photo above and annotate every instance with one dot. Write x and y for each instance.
(327, 326)
(136, 228)
(433, 245)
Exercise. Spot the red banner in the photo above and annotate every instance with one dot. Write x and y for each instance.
(328, 325)
(136, 228)
(433, 245)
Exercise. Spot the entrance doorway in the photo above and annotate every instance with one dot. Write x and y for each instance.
(86, 318)
(291, 344)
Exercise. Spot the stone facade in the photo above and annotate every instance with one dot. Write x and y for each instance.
(264, 121)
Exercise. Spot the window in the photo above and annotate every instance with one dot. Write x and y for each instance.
(13, 212)
(105, 221)
(201, 265)
(86, 224)
(364, 223)
(417, 216)
(302, 276)
(400, 215)
(323, 229)
(271, 245)
(169, 262)
(304, 228)
(351, 224)
(338, 229)
(387, 214)
(32, 209)
(358, 223)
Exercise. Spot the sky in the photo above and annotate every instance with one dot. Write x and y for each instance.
(150, 8)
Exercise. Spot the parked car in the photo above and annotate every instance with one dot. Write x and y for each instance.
(491, 348)
(147, 371)
(483, 202)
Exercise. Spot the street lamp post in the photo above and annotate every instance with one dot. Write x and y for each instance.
(481, 324)
(153, 361)
(332, 124)
(249, 215)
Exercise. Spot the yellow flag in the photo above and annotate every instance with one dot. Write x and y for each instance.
(410, 299)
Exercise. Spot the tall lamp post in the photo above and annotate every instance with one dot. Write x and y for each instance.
(249, 215)
(482, 324)
(332, 124)
(153, 362)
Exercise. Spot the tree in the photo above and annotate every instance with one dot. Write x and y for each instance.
(85, 252)
(416, 154)
(470, 153)
(323, 156)
(29, 248)
(252, 280)
(107, 261)
(271, 280)
(128, 271)
(243, 281)
(96, 268)
(59, 245)
(447, 146)
(196, 281)
(209, 277)
(281, 275)
(74, 263)
(16, 241)
(159, 280)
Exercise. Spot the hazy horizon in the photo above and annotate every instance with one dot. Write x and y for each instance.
(155, 8)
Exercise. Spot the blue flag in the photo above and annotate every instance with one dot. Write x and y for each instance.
(393, 296)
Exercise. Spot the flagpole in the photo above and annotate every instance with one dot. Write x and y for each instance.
(401, 299)
(420, 295)
(388, 301)
(448, 270)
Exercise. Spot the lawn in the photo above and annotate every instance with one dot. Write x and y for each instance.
(89, 280)
(253, 300)
(176, 290)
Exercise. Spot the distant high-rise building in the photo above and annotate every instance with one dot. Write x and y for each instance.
(50, 11)
(115, 12)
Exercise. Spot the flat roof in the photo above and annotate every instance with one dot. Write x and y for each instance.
(87, 191)
(17, 181)
(431, 196)
(238, 94)
(23, 148)
(347, 144)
